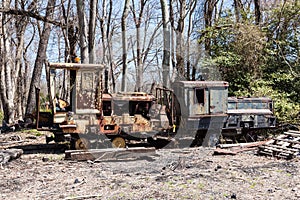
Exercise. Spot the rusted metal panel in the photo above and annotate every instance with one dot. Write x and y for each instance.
(218, 101)
(86, 89)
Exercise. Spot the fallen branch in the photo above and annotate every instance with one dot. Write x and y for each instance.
(84, 197)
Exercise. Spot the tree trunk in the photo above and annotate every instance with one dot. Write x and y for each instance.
(188, 40)
(166, 38)
(139, 66)
(40, 60)
(92, 27)
(238, 7)
(180, 40)
(20, 25)
(257, 11)
(124, 45)
(83, 33)
(208, 14)
(109, 34)
(7, 88)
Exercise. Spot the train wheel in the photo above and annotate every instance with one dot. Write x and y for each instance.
(118, 142)
(82, 144)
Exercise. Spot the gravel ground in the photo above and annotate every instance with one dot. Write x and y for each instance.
(193, 173)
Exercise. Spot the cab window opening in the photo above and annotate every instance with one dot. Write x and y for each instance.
(199, 95)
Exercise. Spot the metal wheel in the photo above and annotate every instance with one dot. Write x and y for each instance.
(118, 142)
(82, 144)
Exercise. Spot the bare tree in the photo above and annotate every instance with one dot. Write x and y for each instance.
(166, 38)
(257, 11)
(92, 27)
(83, 31)
(124, 44)
(180, 39)
(192, 6)
(107, 29)
(209, 7)
(238, 8)
(20, 27)
(7, 85)
(138, 22)
(40, 59)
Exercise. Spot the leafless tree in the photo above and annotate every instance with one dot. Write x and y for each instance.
(257, 11)
(21, 23)
(238, 8)
(83, 31)
(40, 59)
(166, 43)
(7, 89)
(209, 7)
(92, 28)
(124, 44)
(138, 21)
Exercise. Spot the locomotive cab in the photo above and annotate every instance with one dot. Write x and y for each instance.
(203, 109)
(74, 99)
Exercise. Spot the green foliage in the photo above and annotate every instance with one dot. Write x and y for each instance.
(286, 110)
(260, 60)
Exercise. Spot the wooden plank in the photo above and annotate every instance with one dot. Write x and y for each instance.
(289, 141)
(276, 149)
(293, 131)
(284, 148)
(292, 134)
(276, 154)
(219, 151)
(243, 145)
(109, 154)
(273, 140)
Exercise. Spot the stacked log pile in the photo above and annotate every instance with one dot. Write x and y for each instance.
(286, 145)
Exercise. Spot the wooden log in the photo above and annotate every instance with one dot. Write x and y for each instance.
(292, 134)
(275, 154)
(10, 143)
(284, 148)
(40, 147)
(293, 131)
(109, 154)
(219, 151)
(273, 140)
(243, 145)
(278, 150)
(289, 141)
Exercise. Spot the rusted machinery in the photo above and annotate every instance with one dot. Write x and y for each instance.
(246, 115)
(190, 112)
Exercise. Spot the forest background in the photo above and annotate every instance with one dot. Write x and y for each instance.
(252, 44)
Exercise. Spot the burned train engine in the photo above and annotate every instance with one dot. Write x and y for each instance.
(190, 113)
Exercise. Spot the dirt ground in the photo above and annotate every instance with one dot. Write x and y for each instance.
(193, 173)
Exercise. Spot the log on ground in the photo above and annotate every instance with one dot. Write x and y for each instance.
(110, 154)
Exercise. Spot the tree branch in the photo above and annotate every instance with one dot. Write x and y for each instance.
(30, 14)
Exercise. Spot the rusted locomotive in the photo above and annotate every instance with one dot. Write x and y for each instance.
(191, 113)
(247, 115)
